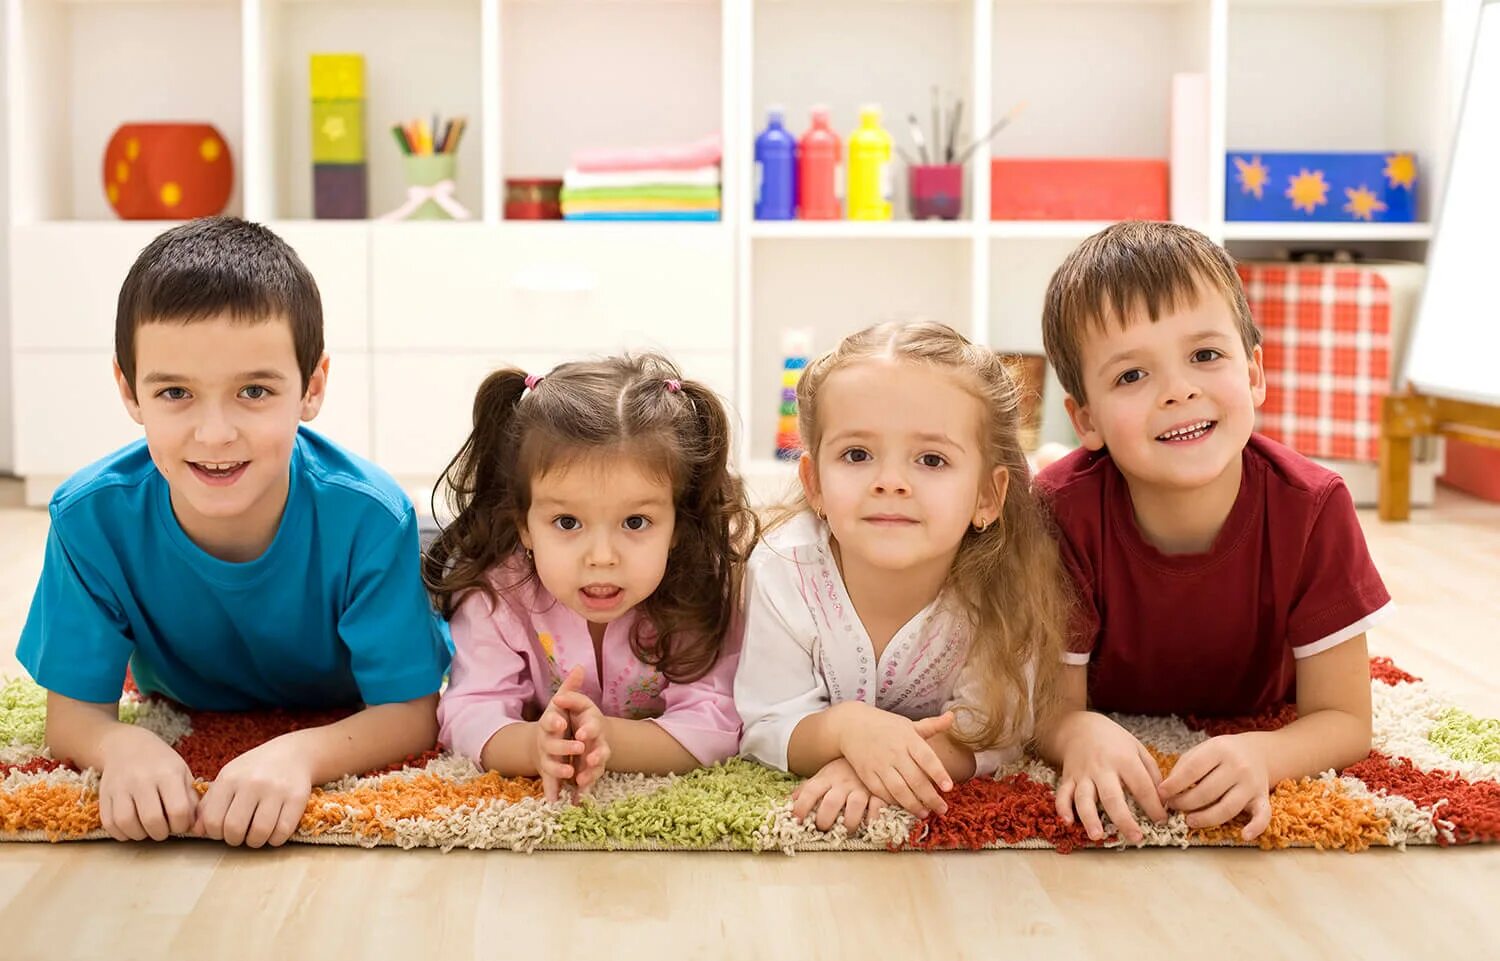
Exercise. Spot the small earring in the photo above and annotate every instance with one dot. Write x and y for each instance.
(980, 526)
(530, 556)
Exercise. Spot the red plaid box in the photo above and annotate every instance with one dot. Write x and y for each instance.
(1327, 332)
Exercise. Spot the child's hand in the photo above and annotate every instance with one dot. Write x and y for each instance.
(893, 759)
(586, 722)
(836, 790)
(145, 788)
(259, 797)
(1101, 761)
(555, 745)
(1217, 780)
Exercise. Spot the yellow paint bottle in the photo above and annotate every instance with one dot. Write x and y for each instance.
(870, 168)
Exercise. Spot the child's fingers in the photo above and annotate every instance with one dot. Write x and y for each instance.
(1226, 807)
(287, 824)
(855, 809)
(1260, 818)
(1138, 782)
(211, 812)
(807, 796)
(1214, 785)
(561, 747)
(1085, 801)
(572, 682)
(572, 701)
(182, 804)
(238, 818)
(152, 815)
(928, 726)
(263, 824)
(898, 788)
(932, 766)
(110, 809)
(873, 808)
(1112, 799)
(831, 808)
(550, 786)
(921, 785)
(1064, 801)
(1189, 769)
(1153, 770)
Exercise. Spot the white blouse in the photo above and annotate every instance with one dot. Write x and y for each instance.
(806, 649)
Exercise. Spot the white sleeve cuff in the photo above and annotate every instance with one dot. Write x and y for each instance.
(1077, 660)
(1338, 637)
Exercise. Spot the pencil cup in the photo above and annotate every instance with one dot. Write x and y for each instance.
(936, 191)
(430, 171)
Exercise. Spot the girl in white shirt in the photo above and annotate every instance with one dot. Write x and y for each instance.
(904, 622)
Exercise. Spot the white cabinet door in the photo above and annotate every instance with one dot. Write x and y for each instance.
(423, 403)
(547, 287)
(66, 281)
(68, 412)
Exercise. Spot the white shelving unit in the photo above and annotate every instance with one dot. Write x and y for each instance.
(417, 313)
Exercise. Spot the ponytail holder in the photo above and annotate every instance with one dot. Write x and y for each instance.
(674, 386)
(532, 380)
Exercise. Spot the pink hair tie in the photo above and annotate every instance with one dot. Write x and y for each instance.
(673, 386)
(532, 380)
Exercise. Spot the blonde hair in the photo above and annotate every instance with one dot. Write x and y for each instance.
(1008, 577)
(1131, 265)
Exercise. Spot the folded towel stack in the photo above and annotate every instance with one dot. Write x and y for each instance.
(678, 182)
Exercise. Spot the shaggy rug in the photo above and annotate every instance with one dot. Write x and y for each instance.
(1432, 777)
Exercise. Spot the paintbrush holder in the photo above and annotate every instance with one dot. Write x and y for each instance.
(936, 191)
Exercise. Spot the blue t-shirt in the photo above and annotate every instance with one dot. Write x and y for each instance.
(332, 614)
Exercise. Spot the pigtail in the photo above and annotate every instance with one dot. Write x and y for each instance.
(694, 607)
(479, 486)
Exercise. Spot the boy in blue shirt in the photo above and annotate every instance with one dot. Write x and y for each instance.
(233, 558)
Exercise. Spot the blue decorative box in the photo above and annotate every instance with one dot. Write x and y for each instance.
(1338, 186)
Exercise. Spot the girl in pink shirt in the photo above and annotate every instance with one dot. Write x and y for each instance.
(591, 575)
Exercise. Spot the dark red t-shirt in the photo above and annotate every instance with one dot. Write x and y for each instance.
(1288, 576)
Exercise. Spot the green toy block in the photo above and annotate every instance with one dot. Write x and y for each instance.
(337, 76)
(338, 131)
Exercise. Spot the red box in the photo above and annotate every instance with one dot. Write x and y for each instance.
(1078, 189)
(1472, 468)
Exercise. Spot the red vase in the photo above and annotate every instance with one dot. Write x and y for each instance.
(167, 171)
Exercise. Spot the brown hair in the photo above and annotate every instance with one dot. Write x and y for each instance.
(631, 406)
(1007, 578)
(1123, 268)
(213, 266)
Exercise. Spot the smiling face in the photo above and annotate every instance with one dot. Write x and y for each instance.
(220, 400)
(600, 530)
(900, 471)
(1174, 401)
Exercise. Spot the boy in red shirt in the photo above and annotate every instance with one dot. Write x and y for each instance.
(1220, 573)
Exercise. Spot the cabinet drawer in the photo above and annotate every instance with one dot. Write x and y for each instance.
(550, 287)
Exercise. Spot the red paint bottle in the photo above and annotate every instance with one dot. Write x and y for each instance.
(819, 183)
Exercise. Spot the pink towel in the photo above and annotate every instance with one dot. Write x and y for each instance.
(699, 153)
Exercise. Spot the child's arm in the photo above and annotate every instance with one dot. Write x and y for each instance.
(698, 725)
(1225, 775)
(260, 796)
(1100, 762)
(145, 787)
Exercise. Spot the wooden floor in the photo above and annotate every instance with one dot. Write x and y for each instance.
(198, 899)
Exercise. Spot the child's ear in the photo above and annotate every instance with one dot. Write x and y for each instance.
(807, 472)
(1258, 376)
(317, 384)
(523, 531)
(127, 394)
(1083, 424)
(992, 499)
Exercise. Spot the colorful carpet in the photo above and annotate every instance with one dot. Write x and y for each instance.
(1433, 777)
